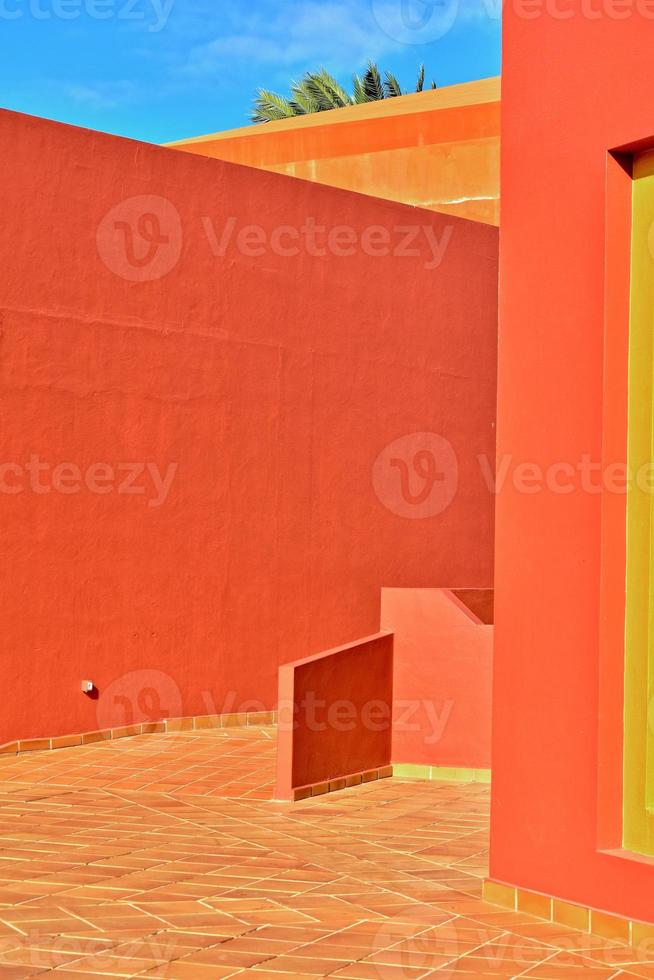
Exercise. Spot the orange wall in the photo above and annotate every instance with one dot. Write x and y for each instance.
(274, 382)
(335, 713)
(436, 149)
(443, 664)
(559, 625)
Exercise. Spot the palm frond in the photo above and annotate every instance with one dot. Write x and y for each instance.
(359, 96)
(392, 87)
(325, 91)
(340, 95)
(319, 91)
(372, 83)
(269, 106)
(301, 99)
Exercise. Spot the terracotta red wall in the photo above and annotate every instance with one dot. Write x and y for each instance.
(335, 712)
(574, 87)
(443, 666)
(273, 382)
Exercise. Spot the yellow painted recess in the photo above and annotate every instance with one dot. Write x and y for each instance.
(639, 675)
(409, 770)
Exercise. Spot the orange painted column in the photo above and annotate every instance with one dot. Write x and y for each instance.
(566, 259)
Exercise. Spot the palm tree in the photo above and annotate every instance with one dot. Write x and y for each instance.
(319, 91)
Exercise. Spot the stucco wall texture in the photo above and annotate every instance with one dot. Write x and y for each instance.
(209, 458)
(559, 657)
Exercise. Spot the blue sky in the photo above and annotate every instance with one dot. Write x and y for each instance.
(160, 70)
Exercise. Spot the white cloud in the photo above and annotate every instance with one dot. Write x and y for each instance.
(104, 95)
(339, 35)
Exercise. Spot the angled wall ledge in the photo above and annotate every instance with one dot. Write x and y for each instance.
(437, 149)
(335, 713)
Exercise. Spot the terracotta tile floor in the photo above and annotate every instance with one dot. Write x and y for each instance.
(164, 856)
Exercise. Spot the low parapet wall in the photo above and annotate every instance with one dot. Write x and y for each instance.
(335, 718)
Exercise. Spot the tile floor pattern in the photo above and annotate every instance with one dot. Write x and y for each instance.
(165, 856)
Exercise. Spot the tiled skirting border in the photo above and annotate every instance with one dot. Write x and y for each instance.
(566, 914)
(334, 785)
(197, 723)
(441, 774)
